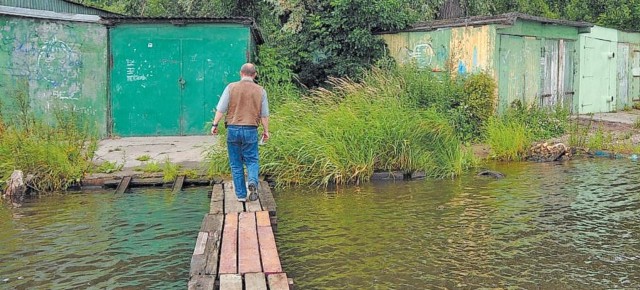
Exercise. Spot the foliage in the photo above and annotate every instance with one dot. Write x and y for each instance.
(55, 153)
(276, 75)
(543, 123)
(143, 158)
(636, 123)
(109, 167)
(170, 171)
(508, 138)
(345, 134)
(468, 101)
(150, 167)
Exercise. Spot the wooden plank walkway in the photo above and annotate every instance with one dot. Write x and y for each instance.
(236, 247)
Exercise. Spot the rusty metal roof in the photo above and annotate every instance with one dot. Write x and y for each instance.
(248, 21)
(504, 19)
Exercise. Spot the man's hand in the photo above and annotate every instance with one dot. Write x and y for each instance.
(265, 136)
(214, 130)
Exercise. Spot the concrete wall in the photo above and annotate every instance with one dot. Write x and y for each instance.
(57, 63)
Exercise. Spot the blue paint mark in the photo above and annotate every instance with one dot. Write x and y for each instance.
(462, 68)
(475, 57)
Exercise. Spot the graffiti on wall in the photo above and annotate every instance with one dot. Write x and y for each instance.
(423, 55)
(59, 67)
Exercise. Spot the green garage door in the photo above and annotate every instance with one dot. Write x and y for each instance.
(166, 80)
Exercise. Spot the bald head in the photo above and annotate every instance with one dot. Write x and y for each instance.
(248, 70)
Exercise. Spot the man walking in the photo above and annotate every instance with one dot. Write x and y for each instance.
(245, 105)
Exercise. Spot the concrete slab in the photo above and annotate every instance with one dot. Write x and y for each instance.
(187, 151)
(624, 117)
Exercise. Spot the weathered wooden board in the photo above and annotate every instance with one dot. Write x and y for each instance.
(202, 282)
(230, 282)
(248, 247)
(201, 243)
(262, 218)
(212, 223)
(268, 251)
(123, 185)
(278, 281)
(255, 281)
(177, 185)
(212, 253)
(229, 250)
(231, 203)
(217, 199)
(198, 265)
(266, 198)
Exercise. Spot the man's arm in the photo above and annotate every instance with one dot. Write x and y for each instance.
(264, 116)
(265, 128)
(221, 109)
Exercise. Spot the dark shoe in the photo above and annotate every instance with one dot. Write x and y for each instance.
(253, 192)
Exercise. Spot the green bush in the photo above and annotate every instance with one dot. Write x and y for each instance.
(543, 123)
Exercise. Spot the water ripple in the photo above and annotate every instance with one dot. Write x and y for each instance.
(138, 240)
(546, 226)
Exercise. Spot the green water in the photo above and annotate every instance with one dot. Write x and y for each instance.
(546, 226)
(142, 240)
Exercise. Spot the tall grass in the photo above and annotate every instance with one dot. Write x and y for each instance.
(510, 134)
(345, 134)
(56, 153)
(508, 138)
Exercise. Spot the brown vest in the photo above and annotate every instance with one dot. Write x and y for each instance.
(245, 103)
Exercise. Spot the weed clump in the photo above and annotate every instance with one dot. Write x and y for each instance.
(57, 153)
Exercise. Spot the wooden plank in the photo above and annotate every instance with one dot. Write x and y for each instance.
(123, 185)
(278, 281)
(268, 251)
(201, 243)
(291, 284)
(212, 253)
(230, 282)
(262, 218)
(255, 281)
(217, 199)
(198, 265)
(229, 251)
(231, 203)
(202, 282)
(177, 185)
(266, 198)
(248, 247)
(212, 223)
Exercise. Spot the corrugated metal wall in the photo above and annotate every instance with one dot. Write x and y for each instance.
(55, 6)
(57, 64)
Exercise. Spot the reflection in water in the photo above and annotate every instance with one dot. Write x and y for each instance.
(545, 226)
(139, 240)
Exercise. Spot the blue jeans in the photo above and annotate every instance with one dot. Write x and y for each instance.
(242, 145)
